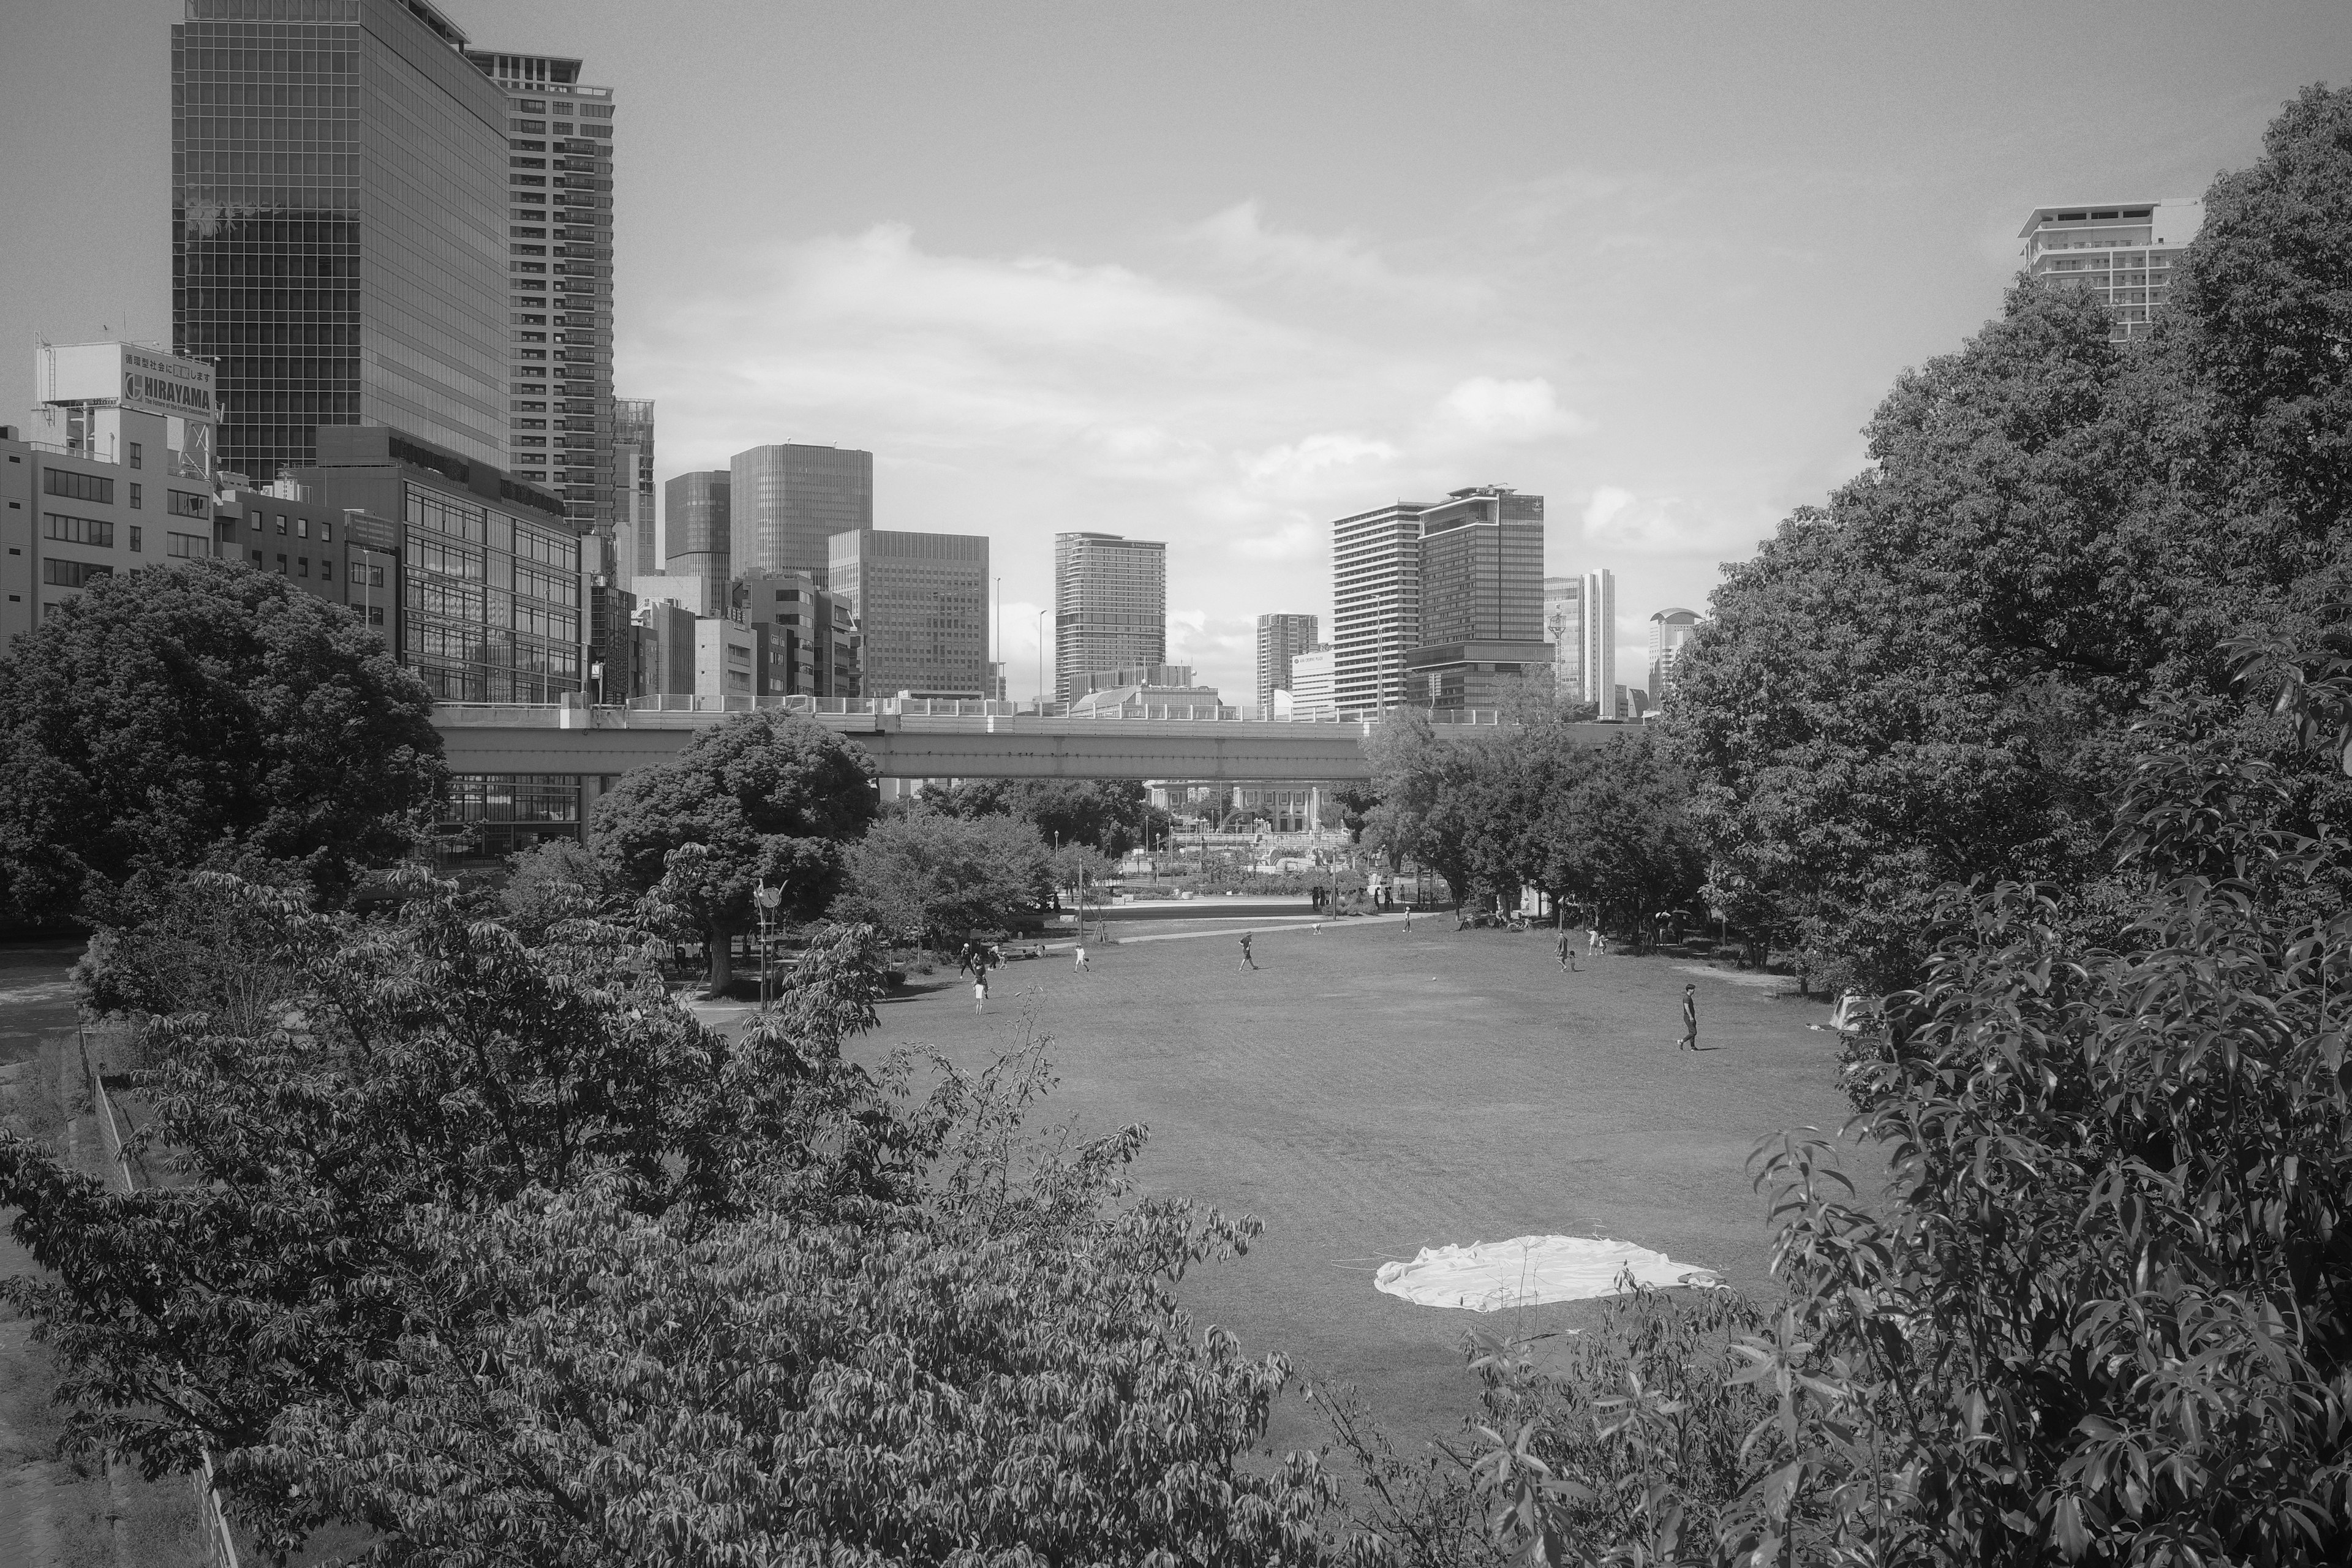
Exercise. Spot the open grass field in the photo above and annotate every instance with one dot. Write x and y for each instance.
(1368, 1092)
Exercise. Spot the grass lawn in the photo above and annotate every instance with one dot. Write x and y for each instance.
(1368, 1092)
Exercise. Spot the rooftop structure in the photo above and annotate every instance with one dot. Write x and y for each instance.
(2122, 252)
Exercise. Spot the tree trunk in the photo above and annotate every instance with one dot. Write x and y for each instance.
(721, 945)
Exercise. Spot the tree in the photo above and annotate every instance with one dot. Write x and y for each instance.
(1410, 767)
(931, 877)
(1108, 815)
(766, 797)
(207, 714)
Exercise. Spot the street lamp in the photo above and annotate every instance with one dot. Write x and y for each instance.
(1041, 659)
(768, 899)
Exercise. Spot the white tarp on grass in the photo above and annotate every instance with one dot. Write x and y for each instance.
(1529, 1270)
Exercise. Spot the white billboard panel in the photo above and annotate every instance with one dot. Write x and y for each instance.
(127, 375)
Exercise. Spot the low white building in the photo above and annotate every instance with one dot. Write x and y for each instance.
(1313, 694)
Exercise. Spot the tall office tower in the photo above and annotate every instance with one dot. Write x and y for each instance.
(1280, 639)
(1601, 639)
(2121, 251)
(1481, 598)
(695, 509)
(1111, 605)
(922, 604)
(1563, 622)
(1669, 629)
(1375, 605)
(788, 500)
(1310, 684)
(336, 228)
(636, 553)
(560, 418)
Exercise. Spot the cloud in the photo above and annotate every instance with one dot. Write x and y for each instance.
(1239, 243)
(1486, 411)
(1618, 519)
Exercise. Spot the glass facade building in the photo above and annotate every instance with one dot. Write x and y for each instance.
(921, 601)
(1111, 605)
(490, 601)
(695, 510)
(561, 423)
(786, 502)
(1280, 639)
(336, 224)
(636, 551)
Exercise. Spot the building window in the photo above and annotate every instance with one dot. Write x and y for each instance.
(178, 504)
(72, 573)
(281, 566)
(79, 487)
(302, 527)
(326, 571)
(281, 527)
(256, 559)
(302, 566)
(136, 504)
(78, 530)
(135, 452)
(187, 546)
(135, 547)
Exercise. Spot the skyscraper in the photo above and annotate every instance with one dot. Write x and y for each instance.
(922, 604)
(1669, 629)
(1111, 605)
(1601, 639)
(1481, 598)
(1280, 639)
(695, 512)
(1563, 622)
(1375, 605)
(636, 551)
(2121, 251)
(558, 284)
(788, 500)
(337, 227)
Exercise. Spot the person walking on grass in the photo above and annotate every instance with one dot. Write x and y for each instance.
(980, 989)
(1082, 957)
(1566, 945)
(1597, 944)
(1247, 962)
(1690, 1018)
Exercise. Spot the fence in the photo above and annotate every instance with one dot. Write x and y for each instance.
(220, 1545)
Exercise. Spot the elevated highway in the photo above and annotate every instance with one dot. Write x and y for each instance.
(915, 741)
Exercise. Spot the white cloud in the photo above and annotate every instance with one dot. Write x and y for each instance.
(1240, 242)
(1618, 521)
(1485, 410)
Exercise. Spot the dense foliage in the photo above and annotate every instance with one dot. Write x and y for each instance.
(926, 877)
(1936, 679)
(764, 798)
(165, 718)
(1108, 815)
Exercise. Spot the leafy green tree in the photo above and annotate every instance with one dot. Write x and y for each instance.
(209, 713)
(931, 877)
(1411, 767)
(766, 797)
(1108, 815)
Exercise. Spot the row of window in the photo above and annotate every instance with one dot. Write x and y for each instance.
(301, 567)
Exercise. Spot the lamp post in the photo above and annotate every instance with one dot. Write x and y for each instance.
(768, 899)
(1041, 659)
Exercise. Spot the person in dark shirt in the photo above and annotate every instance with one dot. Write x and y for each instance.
(1247, 962)
(1690, 1018)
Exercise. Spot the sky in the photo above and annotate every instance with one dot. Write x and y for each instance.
(1218, 273)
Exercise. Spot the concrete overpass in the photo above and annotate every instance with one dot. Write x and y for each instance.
(916, 740)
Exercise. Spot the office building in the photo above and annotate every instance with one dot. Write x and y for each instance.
(636, 544)
(1311, 693)
(111, 474)
(1669, 629)
(694, 524)
(1111, 605)
(738, 659)
(666, 648)
(1280, 638)
(614, 649)
(1375, 605)
(1599, 659)
(2122, 252)
(1482, 577)
(786, 502)
(815, 631)
(922, 605)
(1563, 622)
(561, 423)
(338, 228)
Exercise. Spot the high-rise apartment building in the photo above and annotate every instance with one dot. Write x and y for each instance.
(695, 515)
(787, 501)
(1481, 582)
(338, 227)
(1563, 622)
(558, 212)
(1110, 605)
(1280, 639)
(1600, 640)
(1669, 629)
(2122, 252)
(1375, 605)
(921, 605)
(636, 549)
